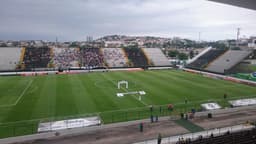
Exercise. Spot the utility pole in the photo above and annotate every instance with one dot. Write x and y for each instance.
(237, 36)
(199, 37)
(56, 42)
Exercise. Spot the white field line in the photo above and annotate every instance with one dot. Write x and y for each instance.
(145, 104)
(141, 101)
(133, 95)
(20, 96)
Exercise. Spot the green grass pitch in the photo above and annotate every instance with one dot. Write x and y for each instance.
(55, 97)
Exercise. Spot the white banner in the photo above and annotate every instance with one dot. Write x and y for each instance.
(67, 124)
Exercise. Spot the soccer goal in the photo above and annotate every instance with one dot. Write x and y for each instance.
(122, 82)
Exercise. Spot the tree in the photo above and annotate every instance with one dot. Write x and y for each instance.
(182, 56)
(218, 45)
(173, 53)
(236, 48)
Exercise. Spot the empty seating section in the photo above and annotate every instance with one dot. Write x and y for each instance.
(227, 61)
(66, 57)
(156, 56)
(114, 57)
(207, 58)
(91, 57)
(136, 57)
(9, 58)
(37, 57)
(244, 137)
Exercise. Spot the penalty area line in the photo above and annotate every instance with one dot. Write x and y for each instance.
(23, 92)
(20, 96)
(145, 104)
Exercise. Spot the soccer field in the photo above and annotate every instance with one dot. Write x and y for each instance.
(78, 95)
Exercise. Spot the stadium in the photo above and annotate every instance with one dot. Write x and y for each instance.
(45, 85)
(92, 94)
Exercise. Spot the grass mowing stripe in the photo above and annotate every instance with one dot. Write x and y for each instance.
(65, 104)
(147, 85)
(46, 103)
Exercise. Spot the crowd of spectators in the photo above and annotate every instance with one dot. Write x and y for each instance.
(66, 57)
(91, 57)
(77, 57)
(114, 57)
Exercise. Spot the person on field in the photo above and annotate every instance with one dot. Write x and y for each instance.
(159, 139)
(225, 96)
(141, 127)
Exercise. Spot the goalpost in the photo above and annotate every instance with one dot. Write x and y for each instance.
(138, 93)
(120, 83)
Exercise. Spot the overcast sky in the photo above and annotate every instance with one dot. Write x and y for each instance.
(75, 19)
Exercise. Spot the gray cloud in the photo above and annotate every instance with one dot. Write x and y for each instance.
(74, 20)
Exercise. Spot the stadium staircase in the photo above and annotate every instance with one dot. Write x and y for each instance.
(78, 51)
(126, 57)
(22, 55)
(51, 64)
(101, 52)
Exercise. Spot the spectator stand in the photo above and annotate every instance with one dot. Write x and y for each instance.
(114, 57)
(136, 57)
(91, 58)
(64, 58)
(36, 57)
